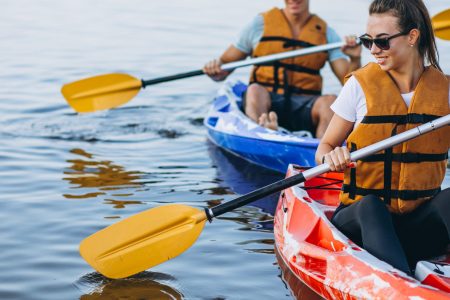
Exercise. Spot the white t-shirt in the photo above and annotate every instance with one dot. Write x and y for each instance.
(351, 102)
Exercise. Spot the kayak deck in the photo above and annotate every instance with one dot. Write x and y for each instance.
(332, 265)
(229, 128)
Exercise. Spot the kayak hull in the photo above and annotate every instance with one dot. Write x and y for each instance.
(229, 128)
(321, 257)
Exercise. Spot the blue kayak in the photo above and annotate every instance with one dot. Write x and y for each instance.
(229, 128)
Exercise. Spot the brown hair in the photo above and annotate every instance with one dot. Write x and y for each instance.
(412, 14)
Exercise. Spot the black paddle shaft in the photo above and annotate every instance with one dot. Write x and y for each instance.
(171, 77)
(257, 194)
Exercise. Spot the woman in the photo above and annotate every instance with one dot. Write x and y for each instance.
(391, 203)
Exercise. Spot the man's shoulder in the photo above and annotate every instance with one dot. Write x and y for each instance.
(318, 18)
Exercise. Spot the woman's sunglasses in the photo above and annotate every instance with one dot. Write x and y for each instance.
(382, 43)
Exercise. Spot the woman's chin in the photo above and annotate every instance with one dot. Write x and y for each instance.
(384, 66)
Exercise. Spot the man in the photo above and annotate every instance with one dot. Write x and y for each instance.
(288, 90)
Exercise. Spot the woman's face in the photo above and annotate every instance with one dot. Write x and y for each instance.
(400, 50)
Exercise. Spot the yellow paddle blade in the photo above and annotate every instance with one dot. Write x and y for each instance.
(441, 24)
(101, 92)
(143, 240)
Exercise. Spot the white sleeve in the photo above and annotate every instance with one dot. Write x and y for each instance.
(347, 103)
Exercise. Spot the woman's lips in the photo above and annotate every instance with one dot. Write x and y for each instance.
(381, 60)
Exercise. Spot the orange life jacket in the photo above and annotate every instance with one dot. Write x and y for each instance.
(298, 75)
(412, 172)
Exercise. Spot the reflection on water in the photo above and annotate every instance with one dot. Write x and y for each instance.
(242, 177)
(102, 176)
(237, 176)
(269, 242)
(145, 285)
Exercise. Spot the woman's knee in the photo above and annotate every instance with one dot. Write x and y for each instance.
(371, 205)
(441, 203)
(369, 209)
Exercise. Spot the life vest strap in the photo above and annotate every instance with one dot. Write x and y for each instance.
(400, 194)
(407, 157)
(400, 119)
(352, 193)
(292, 89)
(292, 67)
(288, 43)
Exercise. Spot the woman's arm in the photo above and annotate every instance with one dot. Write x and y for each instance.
(330, 148)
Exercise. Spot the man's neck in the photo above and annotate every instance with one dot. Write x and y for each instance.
(297, 20)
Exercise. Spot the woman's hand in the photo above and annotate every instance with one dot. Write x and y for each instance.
(214, 71)
(330, 144)
(338, 159)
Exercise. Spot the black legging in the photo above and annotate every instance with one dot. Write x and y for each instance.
(400, 240)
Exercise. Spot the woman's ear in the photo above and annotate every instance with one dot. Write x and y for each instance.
(414, 35)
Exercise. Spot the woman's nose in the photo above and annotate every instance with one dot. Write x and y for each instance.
(374, 49)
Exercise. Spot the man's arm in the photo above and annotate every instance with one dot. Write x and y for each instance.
(213, 68)
(232, 54)
(342, 67)
(243, 47)
(338, 62)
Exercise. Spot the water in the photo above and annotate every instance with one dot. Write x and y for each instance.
(65, 176)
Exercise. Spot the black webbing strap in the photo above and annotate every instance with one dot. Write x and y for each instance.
(408, 157)
(388, 171)
(352, 186)
(287, 42)
(287, 96)
(276, 80)
(293, 67)
(294, 90)
(402, 194)
(400, 119)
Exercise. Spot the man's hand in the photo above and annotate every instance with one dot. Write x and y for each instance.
(213, 69)
(351, 48)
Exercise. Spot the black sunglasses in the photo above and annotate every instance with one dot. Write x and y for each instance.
(382, 43)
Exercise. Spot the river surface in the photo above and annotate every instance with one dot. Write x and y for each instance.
(64, 176)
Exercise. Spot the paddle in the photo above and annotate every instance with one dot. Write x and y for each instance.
(159, 234)
(441, 24)
(111, 90)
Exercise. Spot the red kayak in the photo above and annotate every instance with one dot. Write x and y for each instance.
(317, 255)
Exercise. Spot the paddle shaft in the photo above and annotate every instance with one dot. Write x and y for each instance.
(313, 172)
(248, 62)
